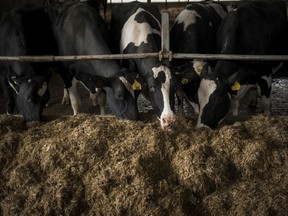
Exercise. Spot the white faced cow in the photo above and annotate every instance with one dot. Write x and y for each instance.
(194, 31)
(136, 28)
(254, 27)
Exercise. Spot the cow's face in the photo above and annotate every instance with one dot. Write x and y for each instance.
(32, 97)
(162, 88)
(121, 100)
(188, 75)
(214, 102)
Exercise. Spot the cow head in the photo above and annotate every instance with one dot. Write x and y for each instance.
(121, 94)
(162, 86)
(214, 95)
(188, 75)
(32, 96)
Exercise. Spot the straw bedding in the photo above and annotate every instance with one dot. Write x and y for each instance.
(90, 165)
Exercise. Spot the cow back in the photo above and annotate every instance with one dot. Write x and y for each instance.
(254, 27)
(121, 13)
(194, 30)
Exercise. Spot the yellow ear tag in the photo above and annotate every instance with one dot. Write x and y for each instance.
(236, 86)
(136, 85)
(199, 69)
(184, 81)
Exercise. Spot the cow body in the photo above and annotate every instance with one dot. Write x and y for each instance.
(80, 30)
(254, 27)
(136, 28)
(194, 31)
(26, 31)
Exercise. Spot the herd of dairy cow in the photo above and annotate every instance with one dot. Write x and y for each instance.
(76, 28)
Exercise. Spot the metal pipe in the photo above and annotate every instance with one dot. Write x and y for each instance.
(162, 55)
(77, 57)
(230, 57)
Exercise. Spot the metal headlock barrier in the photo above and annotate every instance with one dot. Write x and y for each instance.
(163, 55)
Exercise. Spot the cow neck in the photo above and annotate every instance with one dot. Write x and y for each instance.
(107, 69)
(145, 65)
(225, 69)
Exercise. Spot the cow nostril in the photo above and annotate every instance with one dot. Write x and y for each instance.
(120, 97)
(167, 122)
(164, 121)
(29, 99)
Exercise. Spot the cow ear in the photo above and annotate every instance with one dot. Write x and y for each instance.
(135, 80)
(234, 81)
(205, 71)
(99, 82)
(14, 77)
(186, 77)
(133, 83)
(16, 80)
(184, 73)
(241, 76)
(42, 89)
(43, 78)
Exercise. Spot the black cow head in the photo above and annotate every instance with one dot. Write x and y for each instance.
(122, 92)
(32, 96)
(188, 76)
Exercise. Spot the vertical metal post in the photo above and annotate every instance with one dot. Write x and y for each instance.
(165, 32)
(165, 35)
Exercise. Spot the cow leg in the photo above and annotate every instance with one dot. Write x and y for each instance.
(266, 104)
(234, 105)
(65, 99)
(253, 97)
(265, 89)
(74, 97)
(93, 98)
(8, 92)
(101, 96)
(67, 77)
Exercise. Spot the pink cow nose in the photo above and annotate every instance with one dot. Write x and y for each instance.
(168, 122)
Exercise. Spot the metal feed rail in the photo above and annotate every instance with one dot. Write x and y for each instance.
(163, 55)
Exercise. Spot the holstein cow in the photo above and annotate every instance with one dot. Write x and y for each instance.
(136, 28)
(254, 27)
(194, 31)
(26, 31)
(80, 30)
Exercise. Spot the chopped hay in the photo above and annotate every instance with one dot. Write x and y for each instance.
(92, 165)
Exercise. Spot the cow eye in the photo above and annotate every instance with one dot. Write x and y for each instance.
(29, 99)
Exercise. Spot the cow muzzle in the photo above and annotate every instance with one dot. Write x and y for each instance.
(168, 122)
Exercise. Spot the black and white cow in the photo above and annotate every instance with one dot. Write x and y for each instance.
(26, 31)
(80, 30)
(136, 28)
(254, 27)
(194, 31)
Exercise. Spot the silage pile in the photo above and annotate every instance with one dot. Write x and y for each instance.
(91, 165)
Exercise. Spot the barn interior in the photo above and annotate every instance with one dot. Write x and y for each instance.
(101, 165)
